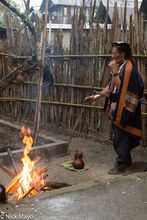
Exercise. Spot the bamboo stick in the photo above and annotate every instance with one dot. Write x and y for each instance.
(69, 85)
(27, 193)
(56, 103)
(9, 172)
(12, 160)
(74, 56)
(15, 56)
(13, 182)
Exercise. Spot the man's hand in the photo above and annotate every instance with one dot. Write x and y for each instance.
(89, 99)
(113, 66)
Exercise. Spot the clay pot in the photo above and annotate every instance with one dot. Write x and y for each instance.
(20, 77)
(78, 162)
(3, 197)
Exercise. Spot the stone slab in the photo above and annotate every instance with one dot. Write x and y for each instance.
(55, 148)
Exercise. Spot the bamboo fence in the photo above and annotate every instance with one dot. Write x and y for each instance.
(76, 74)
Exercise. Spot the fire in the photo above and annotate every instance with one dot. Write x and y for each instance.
(28, 182)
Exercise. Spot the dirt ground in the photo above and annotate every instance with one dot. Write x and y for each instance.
(98, 156)
(93, 194)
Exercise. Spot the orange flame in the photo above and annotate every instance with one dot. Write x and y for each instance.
(26, 181)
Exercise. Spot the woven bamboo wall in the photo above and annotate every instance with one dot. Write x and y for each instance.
(18, 100)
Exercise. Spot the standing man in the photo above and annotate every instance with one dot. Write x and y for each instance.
(123, 105)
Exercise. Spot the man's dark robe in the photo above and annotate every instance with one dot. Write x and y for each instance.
(127, 114)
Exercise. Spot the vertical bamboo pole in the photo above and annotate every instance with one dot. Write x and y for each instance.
(116, 26)
(131, 32)
(136, 15)
(105, 27)
(124, 22)
(136, 24)
(143, 73)
(39, 97)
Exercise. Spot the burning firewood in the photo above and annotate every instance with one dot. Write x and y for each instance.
(36, 160)
(27, 182)
(27, 193)
(38, 172)
(12, 175)
(45, 188)
(13, 182)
